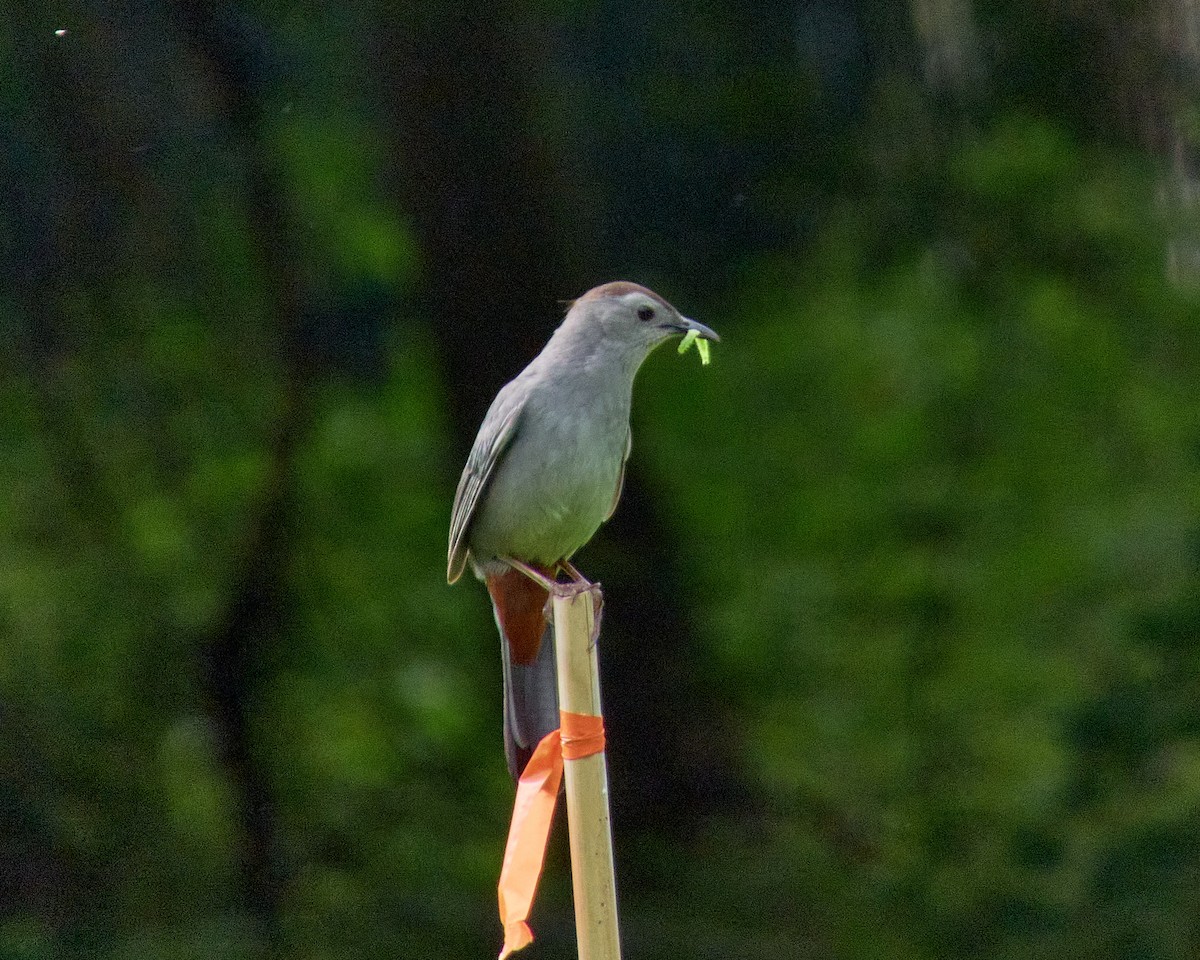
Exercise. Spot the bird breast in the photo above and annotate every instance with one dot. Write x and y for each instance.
(554, 487)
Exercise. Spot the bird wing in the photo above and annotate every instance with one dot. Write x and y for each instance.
(494, 438)
(621, 475)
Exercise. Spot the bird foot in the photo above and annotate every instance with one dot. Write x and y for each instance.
(572, 590)
(577, 585)
(597, 596)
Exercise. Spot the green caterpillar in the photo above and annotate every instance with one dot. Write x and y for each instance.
(701, 346)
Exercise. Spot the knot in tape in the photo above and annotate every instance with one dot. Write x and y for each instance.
(582, 734)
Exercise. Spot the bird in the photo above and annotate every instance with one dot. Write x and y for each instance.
(546, 470)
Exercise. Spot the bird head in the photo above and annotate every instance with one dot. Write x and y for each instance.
(633, 318)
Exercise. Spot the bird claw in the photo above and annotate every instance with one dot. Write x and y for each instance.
(569, 591)
(597, 616)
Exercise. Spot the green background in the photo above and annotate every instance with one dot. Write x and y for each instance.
(900, 646)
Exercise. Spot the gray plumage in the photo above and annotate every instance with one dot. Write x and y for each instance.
(547, 469)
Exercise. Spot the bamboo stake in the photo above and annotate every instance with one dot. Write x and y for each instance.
(593, 879)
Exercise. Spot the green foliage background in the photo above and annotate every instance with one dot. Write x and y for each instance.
(933, 512)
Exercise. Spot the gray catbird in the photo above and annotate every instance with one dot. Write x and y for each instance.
(545, 471)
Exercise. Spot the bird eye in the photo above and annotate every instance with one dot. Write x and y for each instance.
(645, 313)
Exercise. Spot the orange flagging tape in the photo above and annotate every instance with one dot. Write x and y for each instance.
(580, 736)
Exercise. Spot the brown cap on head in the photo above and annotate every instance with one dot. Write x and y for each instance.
(618, 288)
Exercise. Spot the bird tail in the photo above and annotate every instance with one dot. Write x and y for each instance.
(527, 652)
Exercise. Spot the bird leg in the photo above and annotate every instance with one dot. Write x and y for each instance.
(572, 571)
(579, 584)
(534, 574)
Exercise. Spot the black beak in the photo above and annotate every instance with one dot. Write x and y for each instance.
(684, 325)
